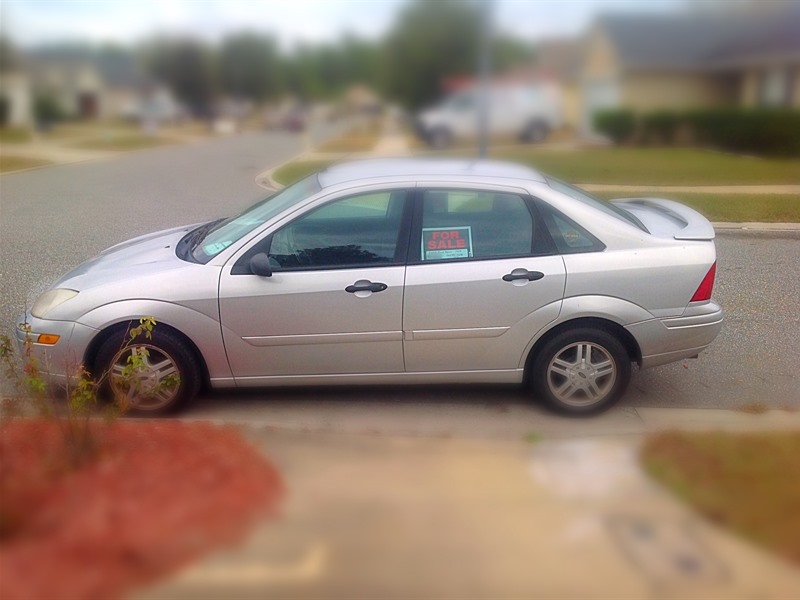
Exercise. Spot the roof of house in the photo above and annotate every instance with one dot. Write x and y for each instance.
(116, 69)
(560, 57)
(704, 40)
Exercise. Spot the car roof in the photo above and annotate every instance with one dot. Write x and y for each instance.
(415, 167)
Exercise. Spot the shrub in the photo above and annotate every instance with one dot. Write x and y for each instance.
(660, 125)
(5, 111)
(618, 124)
(47, 110)
(768, 131)
(74, 417)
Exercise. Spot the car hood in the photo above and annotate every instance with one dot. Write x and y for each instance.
(147, 254)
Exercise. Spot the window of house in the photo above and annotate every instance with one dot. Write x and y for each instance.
(775, 87)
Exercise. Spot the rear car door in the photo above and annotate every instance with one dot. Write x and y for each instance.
(333, 304)
(482, 280)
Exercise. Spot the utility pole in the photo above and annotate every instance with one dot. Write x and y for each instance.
(484, 61)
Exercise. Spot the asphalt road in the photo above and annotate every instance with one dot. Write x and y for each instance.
(52, 219)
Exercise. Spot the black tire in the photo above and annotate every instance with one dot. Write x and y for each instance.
(535, 133)
(167, 354)
(440, 138)
(581, 371)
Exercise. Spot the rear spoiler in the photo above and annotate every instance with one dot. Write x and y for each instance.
(694, 225)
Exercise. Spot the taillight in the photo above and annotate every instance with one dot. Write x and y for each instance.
(706, 286)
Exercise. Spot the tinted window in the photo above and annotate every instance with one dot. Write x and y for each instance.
(580, 195)
(231, 230)
(356, 231)
(568, 236)
(459, 224)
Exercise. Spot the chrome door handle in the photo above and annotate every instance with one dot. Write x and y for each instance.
(517, 274)
(365, 286)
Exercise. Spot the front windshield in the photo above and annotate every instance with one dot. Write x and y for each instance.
(231, 230)
(585, 197)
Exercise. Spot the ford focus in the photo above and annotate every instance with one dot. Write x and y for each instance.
(395, 271)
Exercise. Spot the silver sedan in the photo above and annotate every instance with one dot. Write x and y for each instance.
(395, 271)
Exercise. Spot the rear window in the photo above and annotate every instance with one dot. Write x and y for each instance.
(581, 196)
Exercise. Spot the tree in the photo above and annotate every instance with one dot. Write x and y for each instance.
(430, 41)
(436, 39)
(187, 66)
(8, 55)
(250, 66)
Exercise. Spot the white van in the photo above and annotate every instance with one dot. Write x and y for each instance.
(528, 111)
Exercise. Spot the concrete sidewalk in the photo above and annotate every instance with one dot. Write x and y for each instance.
(407, 517)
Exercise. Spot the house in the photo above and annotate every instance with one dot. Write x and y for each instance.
(89, 84)
(15, 99)
(559, 60)
(696, 59)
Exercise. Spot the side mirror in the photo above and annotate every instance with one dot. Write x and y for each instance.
(259, 265)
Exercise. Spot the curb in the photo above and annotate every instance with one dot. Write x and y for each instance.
(756, 226)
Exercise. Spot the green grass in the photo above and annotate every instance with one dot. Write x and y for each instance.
(296, 170)
(734, 208)
(655, 166)
(351, 142)
(14, 135)
(747, 482)
(123, 142)
(15, 163)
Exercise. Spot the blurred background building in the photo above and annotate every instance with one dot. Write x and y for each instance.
(611, 55)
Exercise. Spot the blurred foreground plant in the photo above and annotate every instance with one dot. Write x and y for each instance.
(76, 418)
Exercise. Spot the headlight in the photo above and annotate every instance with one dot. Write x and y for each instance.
(49, 300)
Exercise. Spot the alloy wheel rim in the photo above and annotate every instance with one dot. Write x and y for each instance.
(581, 374)
(148, 387)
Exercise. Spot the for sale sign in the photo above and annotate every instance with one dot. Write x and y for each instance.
(446, 242)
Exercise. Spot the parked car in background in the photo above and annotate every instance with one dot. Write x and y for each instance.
(396, 271)
(527, 111)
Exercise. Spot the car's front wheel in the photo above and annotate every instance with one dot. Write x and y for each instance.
(158, 375)
(581, 371)
(534, 132)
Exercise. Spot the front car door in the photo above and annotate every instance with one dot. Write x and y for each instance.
(333, 304)
(482, 280)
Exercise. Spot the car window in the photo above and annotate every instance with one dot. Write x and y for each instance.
(461, 224)
(356, 231)
(232, 230)
(580, 195)
(568, 236)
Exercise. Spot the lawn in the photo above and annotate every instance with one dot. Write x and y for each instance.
(734, 208)
(360, 138)
(296, 170)
(655, 166)
(15, 163)
(15, 135)
(747, 482)
(133, 141)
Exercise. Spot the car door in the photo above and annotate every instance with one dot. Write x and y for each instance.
(482, 280)
(332, 305)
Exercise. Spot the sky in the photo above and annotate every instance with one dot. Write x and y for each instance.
(34, 22)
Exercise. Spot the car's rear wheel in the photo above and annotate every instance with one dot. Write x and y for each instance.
(581, 371)
(156, 376)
